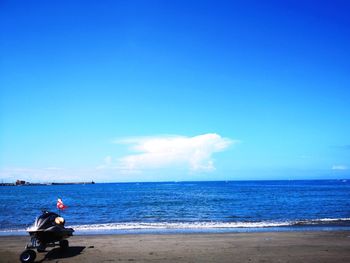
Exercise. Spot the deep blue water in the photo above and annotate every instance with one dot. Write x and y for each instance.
(182, 205)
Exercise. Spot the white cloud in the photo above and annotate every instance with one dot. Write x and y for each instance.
(108, 160)
(340, 167)
(53, 169)
(193, 153)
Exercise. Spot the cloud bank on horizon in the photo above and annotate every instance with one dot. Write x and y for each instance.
(194, 154)
(340, 167)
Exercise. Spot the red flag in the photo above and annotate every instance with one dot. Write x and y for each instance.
(60, 204)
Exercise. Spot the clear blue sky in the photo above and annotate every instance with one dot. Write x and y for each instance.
(86, 84)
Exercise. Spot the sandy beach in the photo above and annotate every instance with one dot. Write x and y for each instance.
(228, 247)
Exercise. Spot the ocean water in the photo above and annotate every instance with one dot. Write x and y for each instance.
(182, 206)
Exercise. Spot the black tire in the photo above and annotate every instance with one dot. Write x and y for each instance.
(64, 244)
(27, 256)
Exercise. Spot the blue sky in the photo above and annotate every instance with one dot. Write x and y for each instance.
(179, 90)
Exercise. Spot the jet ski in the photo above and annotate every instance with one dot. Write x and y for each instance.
(47, 230)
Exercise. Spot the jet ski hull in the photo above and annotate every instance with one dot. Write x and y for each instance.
(53, 234)
(48, 230)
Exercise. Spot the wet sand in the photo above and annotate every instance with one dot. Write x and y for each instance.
(228, 247)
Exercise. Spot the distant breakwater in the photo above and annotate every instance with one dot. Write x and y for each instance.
(39, 184)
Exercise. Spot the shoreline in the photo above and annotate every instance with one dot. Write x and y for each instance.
(298, 246)
(175, 231)
(24, 233)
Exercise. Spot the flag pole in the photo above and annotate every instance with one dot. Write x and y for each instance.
(60, 205)
(58, 209)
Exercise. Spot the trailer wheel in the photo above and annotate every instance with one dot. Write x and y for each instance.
(64, 244)
(27, 256)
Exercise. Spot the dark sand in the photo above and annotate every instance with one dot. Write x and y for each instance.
(229, 247)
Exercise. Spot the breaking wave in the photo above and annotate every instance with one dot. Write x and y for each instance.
(211, 225)
(133, 227)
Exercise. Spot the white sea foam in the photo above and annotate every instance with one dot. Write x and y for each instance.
(198, 225)
(201, 225)
(135, 226)
(12, 230)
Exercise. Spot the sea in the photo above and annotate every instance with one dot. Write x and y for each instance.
(182, 207)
